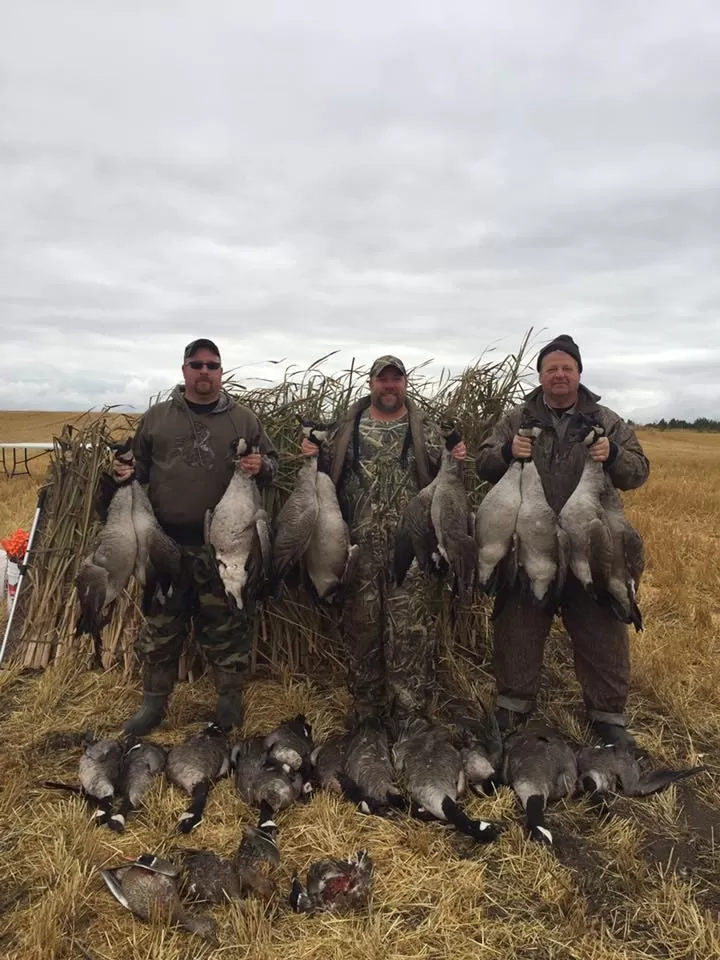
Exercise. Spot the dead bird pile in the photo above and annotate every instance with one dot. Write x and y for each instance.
(413, 767)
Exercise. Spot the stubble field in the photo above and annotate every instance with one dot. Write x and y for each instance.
(641, 883)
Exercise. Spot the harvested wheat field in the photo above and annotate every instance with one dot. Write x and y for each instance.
(641, 882)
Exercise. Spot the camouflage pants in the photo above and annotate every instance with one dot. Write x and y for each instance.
(224, 635)
(390, 637)
(601, 650)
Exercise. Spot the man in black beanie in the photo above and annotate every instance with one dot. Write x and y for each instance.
(521, 625)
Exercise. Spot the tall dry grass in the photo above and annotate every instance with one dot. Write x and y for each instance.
(641, 884)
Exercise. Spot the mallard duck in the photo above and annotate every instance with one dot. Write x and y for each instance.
(148, 887)
(334, 885)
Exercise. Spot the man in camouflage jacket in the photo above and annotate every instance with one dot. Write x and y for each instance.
(600, 642)
(183, 450)
(382, 452)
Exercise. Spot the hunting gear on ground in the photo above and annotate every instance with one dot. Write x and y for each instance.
(521, 622)
(381, 452)
(185, 452)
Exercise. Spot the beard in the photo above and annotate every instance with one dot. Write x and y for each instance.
(388, 402)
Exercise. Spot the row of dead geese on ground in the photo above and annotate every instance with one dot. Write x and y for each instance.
(418, 766)
(514, 533)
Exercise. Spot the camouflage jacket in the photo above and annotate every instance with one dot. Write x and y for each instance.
(186, 459)
(559, 461)
(378, 466)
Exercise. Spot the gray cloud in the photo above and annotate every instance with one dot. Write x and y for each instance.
(293, 179)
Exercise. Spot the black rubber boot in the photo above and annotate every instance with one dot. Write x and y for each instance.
(510, 720)
(229, 710)
(158, 682)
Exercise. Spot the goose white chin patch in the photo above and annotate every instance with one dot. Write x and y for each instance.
(268, 825)
(118, 818)
(484, 825)
(364, 808)
(546, 833)
(187, 816)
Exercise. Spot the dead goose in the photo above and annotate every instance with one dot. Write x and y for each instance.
(334, 885)
(105, 572)
(296, 520)
(450, 515)
(431, 770)
(193, 766)
(290, 745)
(238, 531)
(330, 558)
(99, 775)
(481, 749)
(495, 522)
(539, 765)
(368, 776)
(158, 558)
(415, 537)
(627, 560)
(614, 769)
(264, 783)
(328, 762)
(149, 889)
(142, 762)
(543, 547)
(582, 517)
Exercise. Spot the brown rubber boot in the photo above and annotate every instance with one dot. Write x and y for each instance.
(158, 682)
(229, 710)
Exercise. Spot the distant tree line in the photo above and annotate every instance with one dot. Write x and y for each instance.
(702, 423)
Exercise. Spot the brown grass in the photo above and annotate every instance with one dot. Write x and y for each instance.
(642, 884)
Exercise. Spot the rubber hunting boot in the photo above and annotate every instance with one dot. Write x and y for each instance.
(229, 710)
(158, 682)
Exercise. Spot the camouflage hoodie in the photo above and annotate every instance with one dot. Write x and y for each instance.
(186, 458)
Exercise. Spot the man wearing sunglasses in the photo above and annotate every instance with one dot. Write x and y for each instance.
(183, 450)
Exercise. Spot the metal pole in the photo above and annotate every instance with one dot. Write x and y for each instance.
(38, 510)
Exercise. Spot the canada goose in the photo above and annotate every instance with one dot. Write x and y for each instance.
(614, 769)
(582, 516)
(105, 572)
(238, 531)
(539, 765)
(158, 558)
(99, 775)
(330, 557)
(431, 770)
(627, 560)
(296, 519)
(142, 762)
(542, 545)
(415, 537)
(260, 781)
(481, 749)
(193, 766)
(148, 887)
(368, 778)
(450, 515)
(290, 744)
(495, 522)
(328, 762)
(334, 885)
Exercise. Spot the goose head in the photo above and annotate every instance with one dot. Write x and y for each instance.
(451, 432)
(585, 430)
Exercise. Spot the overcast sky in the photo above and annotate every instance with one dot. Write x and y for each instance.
(426, 179)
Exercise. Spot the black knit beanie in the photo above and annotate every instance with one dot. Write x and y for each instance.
(565, 343)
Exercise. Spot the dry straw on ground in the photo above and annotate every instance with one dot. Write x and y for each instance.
(642, 884)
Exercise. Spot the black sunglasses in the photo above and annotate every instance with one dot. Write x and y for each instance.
(199, 364)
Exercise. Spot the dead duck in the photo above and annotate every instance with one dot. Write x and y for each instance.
(257, 855)
(194, 766)
(148, 887)
(142, 762)
(99, 775)
(539, 765)
(238, 531)
(290, 745)
(368, 775)
(627, 561)
(615, 769)
(334, 885)
(328, 761)
(543, 546)
(431, 770)
(265, 783)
